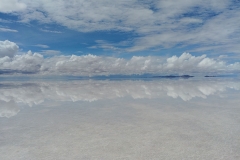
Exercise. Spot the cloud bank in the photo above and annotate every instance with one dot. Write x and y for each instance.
(91, 65)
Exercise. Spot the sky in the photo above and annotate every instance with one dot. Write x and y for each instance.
(104, 37)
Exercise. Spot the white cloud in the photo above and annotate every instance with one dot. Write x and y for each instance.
(42, 45)
(9, 6)
(221, 49)
(28, 63)
(154, 23)
(50, 52)
(191, 20)
(7, 30)
(8, 48)
(90, 65)
(105, 45)
(49, 31)
(4, 21)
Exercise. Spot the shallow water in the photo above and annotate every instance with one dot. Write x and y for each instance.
(103, 119)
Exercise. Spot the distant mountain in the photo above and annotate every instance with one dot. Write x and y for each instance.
(211, 76)
(174, 76)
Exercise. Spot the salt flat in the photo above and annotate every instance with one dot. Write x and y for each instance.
(102, 119)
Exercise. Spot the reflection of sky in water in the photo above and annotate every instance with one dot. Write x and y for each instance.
(88, 119)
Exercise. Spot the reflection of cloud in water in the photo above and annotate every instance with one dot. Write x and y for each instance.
(125, 128)
(120, 128)
(35, 93)
(8, 109)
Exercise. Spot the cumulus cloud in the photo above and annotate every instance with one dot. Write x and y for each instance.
(156, 23)
(8, 48)
(28, 63)
(91, 65)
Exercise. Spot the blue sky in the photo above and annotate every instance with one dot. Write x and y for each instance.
(121, 29)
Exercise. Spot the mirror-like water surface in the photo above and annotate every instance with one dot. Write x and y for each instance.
(102, 119)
